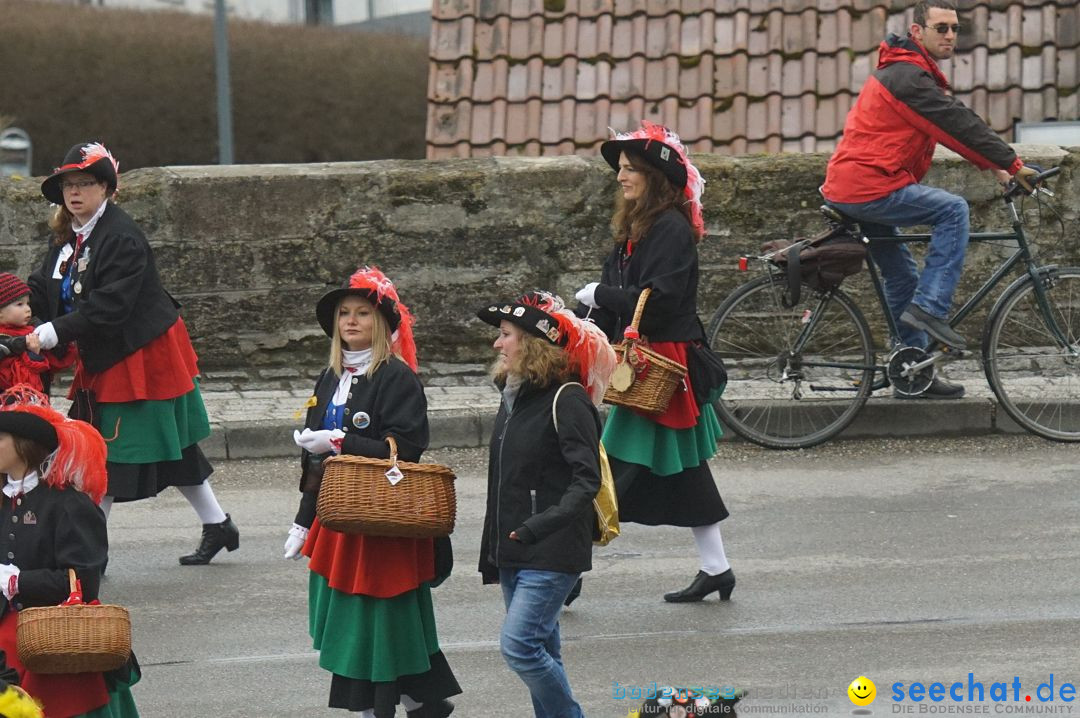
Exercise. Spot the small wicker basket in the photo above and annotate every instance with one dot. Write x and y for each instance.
(73, 639)
(356, 497)
(653, 377)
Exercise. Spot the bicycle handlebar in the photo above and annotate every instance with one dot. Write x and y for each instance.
(1015, 188)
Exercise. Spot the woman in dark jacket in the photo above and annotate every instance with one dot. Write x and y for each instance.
(543, 475)
(53, 474)
(371, 615)
(137, 374)
(660, 462)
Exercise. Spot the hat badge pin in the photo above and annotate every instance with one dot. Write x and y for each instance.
(665, 153)
(519, 312)
(361, 420)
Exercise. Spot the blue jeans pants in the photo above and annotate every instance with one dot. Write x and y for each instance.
(530, 637)
(933, 290)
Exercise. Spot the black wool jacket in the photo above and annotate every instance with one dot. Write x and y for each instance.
(47, 531)
(122, 305)
(390, 403)
(665, 261)
(541, 484)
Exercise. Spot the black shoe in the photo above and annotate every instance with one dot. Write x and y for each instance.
(574, 593)
(938, 389)
(939, 329)
(436, 709)
(702, 585)
(214, 538)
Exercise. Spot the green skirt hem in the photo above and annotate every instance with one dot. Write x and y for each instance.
(148, 432)
(368, 638)
(632, 438)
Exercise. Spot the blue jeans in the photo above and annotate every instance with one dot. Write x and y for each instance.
(933, 291)
(530, 637)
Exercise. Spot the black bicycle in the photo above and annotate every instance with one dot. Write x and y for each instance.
(799, 372)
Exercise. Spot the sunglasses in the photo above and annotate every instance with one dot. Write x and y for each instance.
(941, 28)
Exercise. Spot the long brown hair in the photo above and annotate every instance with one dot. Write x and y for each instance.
(60, 224)
(633, 218)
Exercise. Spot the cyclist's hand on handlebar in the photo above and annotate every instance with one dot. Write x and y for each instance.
(1002, 177)
(1023, 177)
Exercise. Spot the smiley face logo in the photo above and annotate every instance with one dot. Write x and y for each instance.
(862, 691)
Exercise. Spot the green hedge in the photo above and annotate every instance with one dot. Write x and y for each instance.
(143, 82)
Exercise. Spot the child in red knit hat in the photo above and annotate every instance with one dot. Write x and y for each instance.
(21, 362)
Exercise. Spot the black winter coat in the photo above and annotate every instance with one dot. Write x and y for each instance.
(541, 484)
(52, 532)
(665, 261)
(394, 402)
(122, 306)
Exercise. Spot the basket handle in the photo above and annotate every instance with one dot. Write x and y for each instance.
(640, 308)
(393, 449)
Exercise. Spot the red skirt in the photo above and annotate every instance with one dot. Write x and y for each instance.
(163, 369)
(378, 566)
(682, 412)
(62, 695)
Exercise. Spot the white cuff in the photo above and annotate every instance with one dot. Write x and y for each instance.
(47, 334)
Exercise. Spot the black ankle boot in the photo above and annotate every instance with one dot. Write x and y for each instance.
(214, 538)
(435, 709)
(702, 585)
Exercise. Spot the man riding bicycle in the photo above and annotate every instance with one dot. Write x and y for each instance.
(902, 112)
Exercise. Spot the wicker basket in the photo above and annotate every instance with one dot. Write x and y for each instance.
(654, 377)
(73, 639)
(356, 497)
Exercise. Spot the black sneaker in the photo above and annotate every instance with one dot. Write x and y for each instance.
(938, 389)
(939, 329)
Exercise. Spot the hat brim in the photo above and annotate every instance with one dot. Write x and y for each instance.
(28, 426)
(102, 170)
(326, 306)
(650, 149)
(533, 321)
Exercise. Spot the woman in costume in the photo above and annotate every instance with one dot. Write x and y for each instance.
(137, 374)
(370, 609)
(660, 461)
(55, 474)
(543, 474)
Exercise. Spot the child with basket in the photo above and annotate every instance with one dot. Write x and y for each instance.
(55, 477)
(371, 614)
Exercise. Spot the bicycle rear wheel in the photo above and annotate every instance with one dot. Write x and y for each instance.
(1036, 380)
(780, 398)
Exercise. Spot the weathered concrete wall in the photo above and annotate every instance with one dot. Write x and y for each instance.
(249, 249)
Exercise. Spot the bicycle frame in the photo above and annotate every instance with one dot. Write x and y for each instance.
(1021, 256)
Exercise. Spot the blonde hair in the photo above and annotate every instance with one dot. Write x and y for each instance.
(538, 361)
(635, 217)
(60, 224)
(381, 337)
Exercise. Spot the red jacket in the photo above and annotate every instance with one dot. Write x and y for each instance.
(27, 367)
(903, 111)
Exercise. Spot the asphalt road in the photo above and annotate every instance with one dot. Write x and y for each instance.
(904, 561)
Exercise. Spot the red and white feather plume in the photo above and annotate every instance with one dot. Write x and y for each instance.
(373, 280)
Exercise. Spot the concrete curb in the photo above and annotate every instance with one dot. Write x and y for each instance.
(471, 428)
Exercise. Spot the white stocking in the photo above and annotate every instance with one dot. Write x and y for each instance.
(106, 505)
(408, 703)
(202, 499)
(710, 548)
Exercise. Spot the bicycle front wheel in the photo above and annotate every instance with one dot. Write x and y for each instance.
(796, 376)
(1036, 377)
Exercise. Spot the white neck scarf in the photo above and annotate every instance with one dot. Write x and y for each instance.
(353, 364)
(25, 485)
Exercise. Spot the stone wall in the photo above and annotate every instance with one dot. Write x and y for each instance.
(249, 249)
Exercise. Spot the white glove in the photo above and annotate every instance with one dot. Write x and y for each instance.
(587, 295)
(295, 542)
(9, 587)
(47, 334)
(323, 441)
